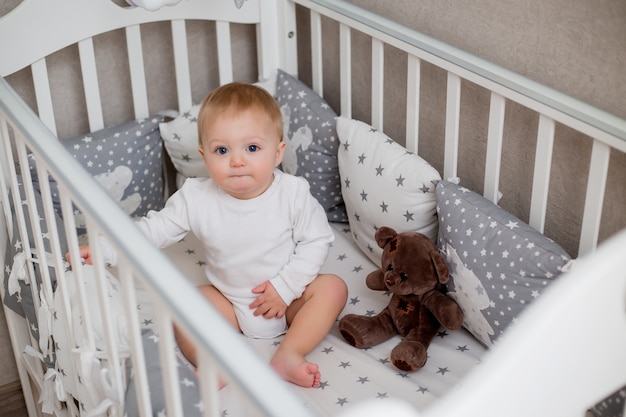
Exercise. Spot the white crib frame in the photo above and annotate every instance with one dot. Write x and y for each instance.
(277, 48)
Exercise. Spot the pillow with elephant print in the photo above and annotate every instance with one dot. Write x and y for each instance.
(312, 144)
(498, 264)
(126, 160)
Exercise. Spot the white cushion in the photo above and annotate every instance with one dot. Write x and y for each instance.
(383, 184)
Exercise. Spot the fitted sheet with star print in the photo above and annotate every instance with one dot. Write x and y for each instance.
(351, 375)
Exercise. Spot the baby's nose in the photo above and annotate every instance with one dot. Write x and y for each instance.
(237, 159)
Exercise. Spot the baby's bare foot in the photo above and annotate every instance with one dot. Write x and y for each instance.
(295, 369)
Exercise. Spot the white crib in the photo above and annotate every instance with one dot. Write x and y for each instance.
(563, 355)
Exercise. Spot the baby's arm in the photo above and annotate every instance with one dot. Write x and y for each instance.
(268, 304)
(313, 236)
(84, 252)
(162, 227)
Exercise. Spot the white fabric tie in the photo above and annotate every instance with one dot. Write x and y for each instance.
(52, 385)
(18, 272)
(100, 389)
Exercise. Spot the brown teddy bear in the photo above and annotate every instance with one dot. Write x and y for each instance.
(414, 271)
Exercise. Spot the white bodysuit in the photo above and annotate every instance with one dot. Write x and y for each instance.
(282, 236)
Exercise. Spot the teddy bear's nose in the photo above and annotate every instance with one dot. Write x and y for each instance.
(391, 280)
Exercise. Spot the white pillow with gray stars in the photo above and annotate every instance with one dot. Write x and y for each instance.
(498, 264)
(383, 184)
(180, 137)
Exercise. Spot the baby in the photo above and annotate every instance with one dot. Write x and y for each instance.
(265, 237)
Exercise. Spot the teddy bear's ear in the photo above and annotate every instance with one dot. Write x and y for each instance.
(440, 266)
(384, 235)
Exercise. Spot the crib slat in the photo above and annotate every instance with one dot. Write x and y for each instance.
(413, 103)
(43, 95)
(173, 402)
(453, 109)
(316, 54)
(224, 56)
(209, 384)
(594, 198)
(345, 68)
(33, 213)
(378, 76)
(181, 60)
(268, 40)
(17, 203)
(5, 153)
(288, 38)
(139, 361)
(52, 233)
(72, 240)
(105, 310)
(90, 84)
(494, 147)
(541, 176)
(137, 72)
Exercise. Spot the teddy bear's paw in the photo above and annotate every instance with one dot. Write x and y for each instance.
(409, 356)
(350, 332)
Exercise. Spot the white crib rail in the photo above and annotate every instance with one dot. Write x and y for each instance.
(177, 300)
(607, 131)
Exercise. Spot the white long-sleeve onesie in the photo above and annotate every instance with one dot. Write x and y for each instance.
(282, 236)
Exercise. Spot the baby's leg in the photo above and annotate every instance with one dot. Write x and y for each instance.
(223, 306)
(310, 318)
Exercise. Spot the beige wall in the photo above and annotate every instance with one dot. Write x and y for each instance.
(577, 47)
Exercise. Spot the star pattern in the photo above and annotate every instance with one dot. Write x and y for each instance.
(180, 137)
(498, 264)
(125, 159)
(348, 375)
(383, 184)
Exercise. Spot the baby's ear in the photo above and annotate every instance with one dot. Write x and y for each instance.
(201, 150)
(280, 152)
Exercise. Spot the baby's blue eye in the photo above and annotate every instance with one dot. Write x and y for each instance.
(253, 148)
(221, 150)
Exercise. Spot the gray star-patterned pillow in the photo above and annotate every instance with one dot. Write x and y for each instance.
(611, 406)
(498, 264)
(383, 184)
(126, 160)
(311, 137)
(180, 137)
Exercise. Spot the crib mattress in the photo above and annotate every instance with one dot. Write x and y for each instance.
(351, 375)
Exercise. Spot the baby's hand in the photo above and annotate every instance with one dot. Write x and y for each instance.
(85, 254)
(268, 303)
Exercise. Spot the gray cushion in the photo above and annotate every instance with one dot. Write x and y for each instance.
(498, 264)
(126, 160)
(311, 143)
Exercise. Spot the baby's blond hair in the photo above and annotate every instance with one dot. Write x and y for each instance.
(238, 97)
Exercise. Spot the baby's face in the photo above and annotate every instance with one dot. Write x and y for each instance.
(240, 151)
